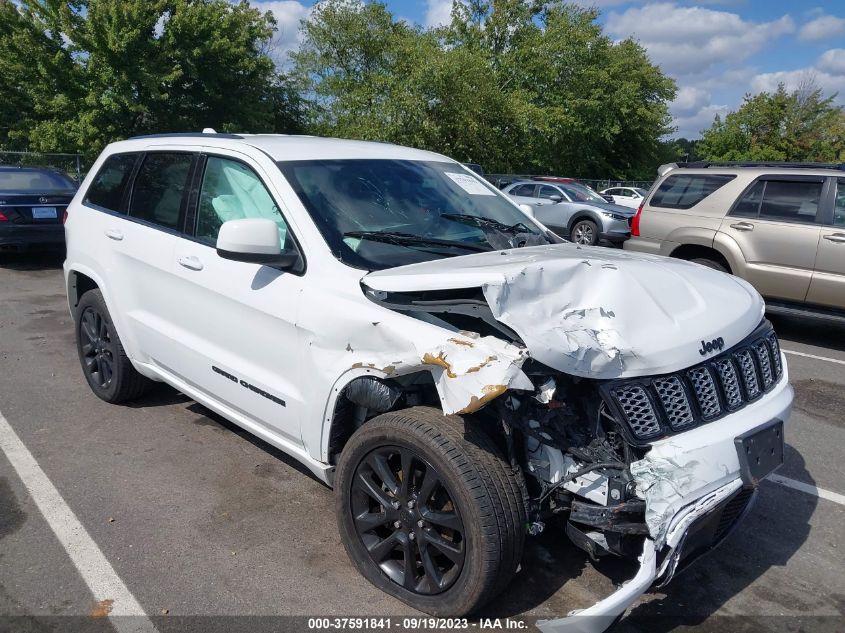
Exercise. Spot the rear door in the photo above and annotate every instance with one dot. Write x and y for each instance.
(776, 225)
(143, 242)
(827, 287)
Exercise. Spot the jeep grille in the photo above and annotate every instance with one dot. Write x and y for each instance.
(652, 407)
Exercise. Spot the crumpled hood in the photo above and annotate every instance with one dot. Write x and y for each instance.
(596, 312)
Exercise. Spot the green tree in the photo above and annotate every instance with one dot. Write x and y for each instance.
(802, 125)
(514, 85)
(86, 72)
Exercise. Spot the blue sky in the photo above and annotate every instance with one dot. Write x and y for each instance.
(716, 50)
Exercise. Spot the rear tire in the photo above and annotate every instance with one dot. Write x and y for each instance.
(710, 263)
(585, 233)
(389, 517)
(106, 367)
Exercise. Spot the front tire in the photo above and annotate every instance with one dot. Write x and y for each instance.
(710, 263)
(106, 367)
(585, 233)
(429, 511)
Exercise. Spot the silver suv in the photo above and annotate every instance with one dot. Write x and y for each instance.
(575, 211)
(780, 226)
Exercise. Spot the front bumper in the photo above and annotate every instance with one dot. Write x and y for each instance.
(20, 237)
(615, 231)
(658, 564)
(685, 503)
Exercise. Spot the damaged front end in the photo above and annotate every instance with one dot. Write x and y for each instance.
(657, 466)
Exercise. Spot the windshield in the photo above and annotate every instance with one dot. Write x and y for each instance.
(642, 192)
(581, 193)
(34, 181)
(376, 214)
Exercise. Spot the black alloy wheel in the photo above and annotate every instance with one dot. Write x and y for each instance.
(107, 368)
(406, 518)
(96, 347)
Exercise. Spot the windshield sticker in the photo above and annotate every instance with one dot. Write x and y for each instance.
(470, 184)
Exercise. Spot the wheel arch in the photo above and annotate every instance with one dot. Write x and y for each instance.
(338, 421)
(583, 214)
(697, 251)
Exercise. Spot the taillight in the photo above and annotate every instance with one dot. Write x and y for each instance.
(635, 223)
(64, 216)
(3, 217)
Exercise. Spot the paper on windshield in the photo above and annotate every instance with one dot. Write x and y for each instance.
(470, 184)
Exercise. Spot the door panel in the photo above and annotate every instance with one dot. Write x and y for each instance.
(143, 247)
(773, 224)
(239, 342)
(828, 285)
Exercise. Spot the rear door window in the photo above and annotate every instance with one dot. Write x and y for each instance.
(109, 186)
(791, 201)
(160, 186)
(839, 207)
(748, 206)
(684, 191)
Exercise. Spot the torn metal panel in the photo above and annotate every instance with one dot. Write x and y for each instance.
(595, 312)
(469, 376)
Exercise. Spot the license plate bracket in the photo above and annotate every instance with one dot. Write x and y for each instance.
(760, 451)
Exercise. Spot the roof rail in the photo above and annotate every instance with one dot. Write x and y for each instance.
(703, 164)
(187, 135)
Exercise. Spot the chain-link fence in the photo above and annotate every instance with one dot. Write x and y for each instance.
(70, 164)
(601, 185)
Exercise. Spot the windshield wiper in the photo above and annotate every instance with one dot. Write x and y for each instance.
(486, 223)
(407, 239)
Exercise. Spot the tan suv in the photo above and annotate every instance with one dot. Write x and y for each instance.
(780, 226)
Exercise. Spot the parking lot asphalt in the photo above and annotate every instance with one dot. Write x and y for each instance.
(198, 518)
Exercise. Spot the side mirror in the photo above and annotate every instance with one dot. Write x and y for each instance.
(527, 209)
(556, 198)
(255, 241)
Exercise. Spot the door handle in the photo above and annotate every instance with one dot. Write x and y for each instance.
(838, 238)
(743, 226)
(114, 234)
(190, 262)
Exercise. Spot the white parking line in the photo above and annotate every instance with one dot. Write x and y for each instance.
(112, 596)
(813, 356)
(809, 489)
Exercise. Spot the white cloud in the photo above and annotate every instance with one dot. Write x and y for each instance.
(828, 73)
(690, 40)
(832, 61)
(691, 126)
(689, 101)
(288, 14)
(822, 28)
(438, 12)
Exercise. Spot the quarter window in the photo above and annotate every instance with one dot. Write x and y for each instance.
(232, 191)
(684, 191)
(159, 187)
(110, 183)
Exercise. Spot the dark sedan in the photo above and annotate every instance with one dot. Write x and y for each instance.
(32, 205)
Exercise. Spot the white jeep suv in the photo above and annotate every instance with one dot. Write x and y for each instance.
(456, 372)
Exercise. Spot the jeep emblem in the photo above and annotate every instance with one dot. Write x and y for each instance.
(717, 344)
